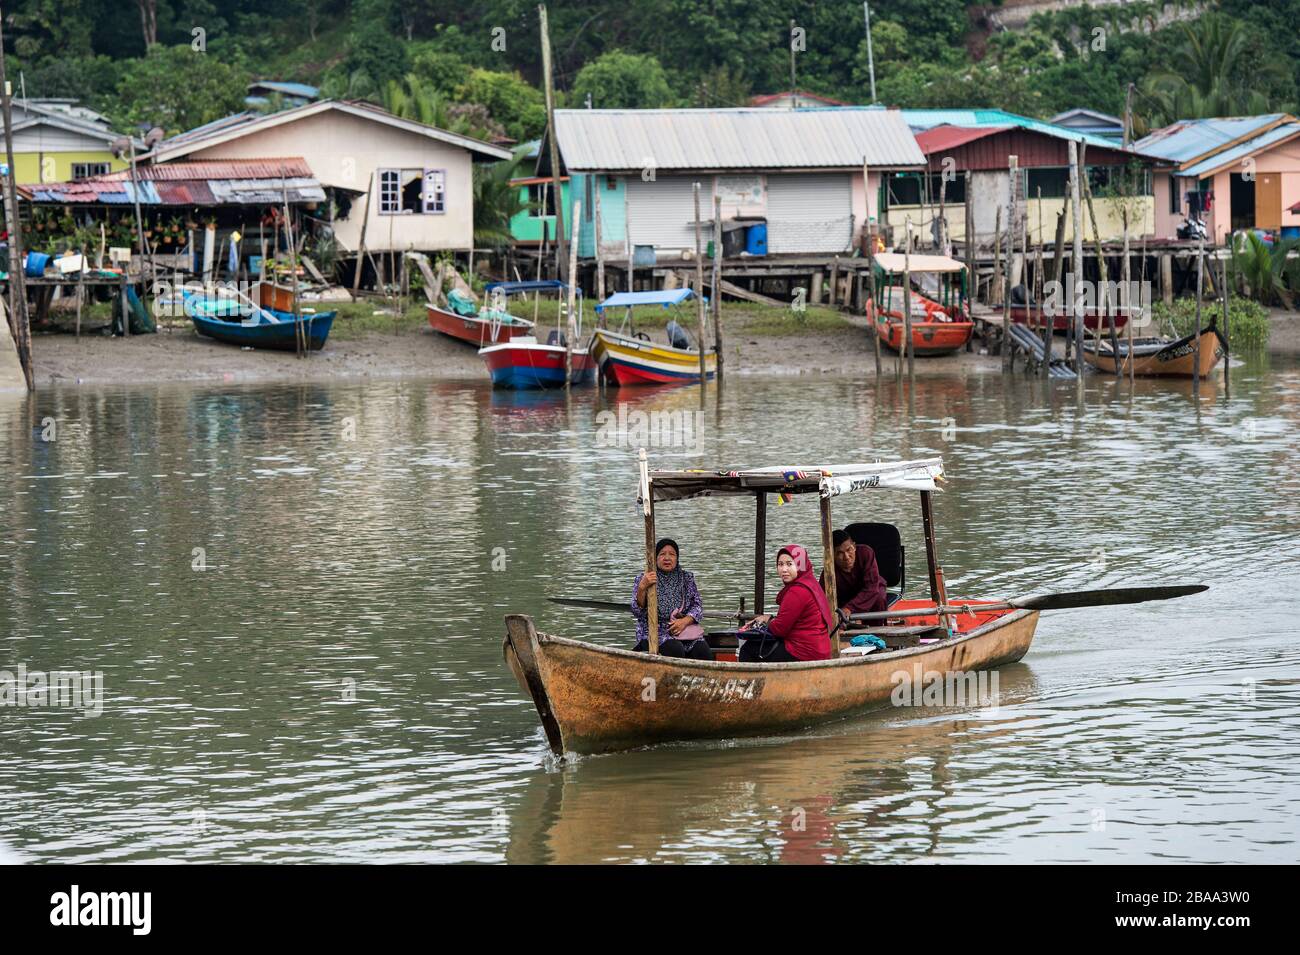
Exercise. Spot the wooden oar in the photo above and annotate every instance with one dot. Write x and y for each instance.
(1063, 601)
(614, 605)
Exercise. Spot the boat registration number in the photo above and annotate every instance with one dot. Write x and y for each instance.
(714, 690)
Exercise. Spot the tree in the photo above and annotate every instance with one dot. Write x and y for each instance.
(148, 21)
(617, 80)
(519, 107)
(178, 88)
(496, 201)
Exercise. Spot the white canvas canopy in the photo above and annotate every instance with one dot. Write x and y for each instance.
(893, 262)
(827, 480)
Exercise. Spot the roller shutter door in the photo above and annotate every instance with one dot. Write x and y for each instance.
(809, 212)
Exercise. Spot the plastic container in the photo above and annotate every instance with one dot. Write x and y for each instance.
(756, 239)
(34, 264)
(1291, 231)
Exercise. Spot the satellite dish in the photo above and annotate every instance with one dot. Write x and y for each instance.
(120, 147)
(153, 137)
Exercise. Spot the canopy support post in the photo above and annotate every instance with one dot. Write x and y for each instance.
(651, 595)
(760, 547)
(938, 592)
(828, 574)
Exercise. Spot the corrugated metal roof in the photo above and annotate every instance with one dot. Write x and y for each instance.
(1191, 139)
(1232, 156)
(920, 119)
(950, 137)
(610, 140)
(205, 183)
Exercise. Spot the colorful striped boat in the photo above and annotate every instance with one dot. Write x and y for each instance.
(525, 363)
(625, 360)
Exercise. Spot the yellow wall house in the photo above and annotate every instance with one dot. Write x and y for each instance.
(57, 140)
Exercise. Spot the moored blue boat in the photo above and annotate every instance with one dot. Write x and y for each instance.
(262, 328)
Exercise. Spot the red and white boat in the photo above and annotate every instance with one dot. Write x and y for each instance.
(525, 363)
(486, 327)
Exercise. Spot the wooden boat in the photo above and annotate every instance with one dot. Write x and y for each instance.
(483, 326)
(1159, 357)
(626, 357)
(262, 328)
(624, 360)
(525, 363)
(935, 330)
(592, 698)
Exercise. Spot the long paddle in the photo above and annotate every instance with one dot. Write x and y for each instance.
(614, 605)
(1063, 601)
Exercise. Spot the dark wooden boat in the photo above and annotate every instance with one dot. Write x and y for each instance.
(592, 698)
(1161, 357)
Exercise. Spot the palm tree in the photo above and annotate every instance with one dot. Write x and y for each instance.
(496, 201)
(1208, 75)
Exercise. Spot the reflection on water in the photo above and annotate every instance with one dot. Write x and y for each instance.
(295, 596)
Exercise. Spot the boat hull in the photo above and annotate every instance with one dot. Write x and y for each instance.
(931, 335)
(278, 336)
(1175, 360)
(526, 366)
(625, 361)
(594, 699)
(474, 330)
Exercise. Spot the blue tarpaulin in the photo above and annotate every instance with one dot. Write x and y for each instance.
(664, 297)
(517, 288)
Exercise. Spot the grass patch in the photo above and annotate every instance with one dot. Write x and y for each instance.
(359, 319)
(754, 319)
(1248, 323)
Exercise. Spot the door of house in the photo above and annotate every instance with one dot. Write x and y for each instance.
(1268, 200)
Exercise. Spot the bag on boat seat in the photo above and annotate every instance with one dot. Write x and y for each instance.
(677, 336)
(555, 338)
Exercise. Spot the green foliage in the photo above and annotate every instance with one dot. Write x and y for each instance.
(177, 88)
(617, 80)
(496, 201)
(1265, 273)
(1248, 322)
(511, 101)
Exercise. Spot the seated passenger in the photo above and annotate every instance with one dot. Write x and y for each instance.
(680, 608)
(859, 588)
(802, 625)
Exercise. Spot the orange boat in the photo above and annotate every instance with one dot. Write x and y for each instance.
(935, 330)
(1161, 357)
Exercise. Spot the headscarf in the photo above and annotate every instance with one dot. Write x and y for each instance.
(670, 585)
(806, 579)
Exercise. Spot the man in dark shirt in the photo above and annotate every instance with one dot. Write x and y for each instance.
(859, 588)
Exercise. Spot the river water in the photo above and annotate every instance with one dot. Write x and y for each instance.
(294, 596)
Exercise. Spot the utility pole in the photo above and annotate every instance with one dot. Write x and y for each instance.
(1128, 116)
(871, 61)
(794, 88)
(561, 268)
(18, 319)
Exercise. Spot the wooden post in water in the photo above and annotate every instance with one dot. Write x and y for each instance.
(550, 137)
(627, 238)
(1013, 164)
(651, 594)
(1227, 342)
(1128, 302)
(907, 305)
(19, 319)
(716, 301)
(699, 284)
(760, 546)
(1077, 264)
(995, 288)
(600, 242)
(828, 573)
(1103, 299)
(81, 288)
(871, 263)
(572, 324)
(1196, 341)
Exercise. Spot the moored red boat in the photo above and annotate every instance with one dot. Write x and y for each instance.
(937, 328)
(524, 363)
(478, 329)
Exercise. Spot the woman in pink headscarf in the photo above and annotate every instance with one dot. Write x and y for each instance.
(802, 625)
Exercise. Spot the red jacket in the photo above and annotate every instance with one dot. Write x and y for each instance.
(804, 618)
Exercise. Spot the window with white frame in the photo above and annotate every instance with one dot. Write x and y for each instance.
(412, 191)
(84, 170)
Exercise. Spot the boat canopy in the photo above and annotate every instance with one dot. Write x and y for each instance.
(519, 288)
(825, 480)
(893, 262)
(664, 297)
